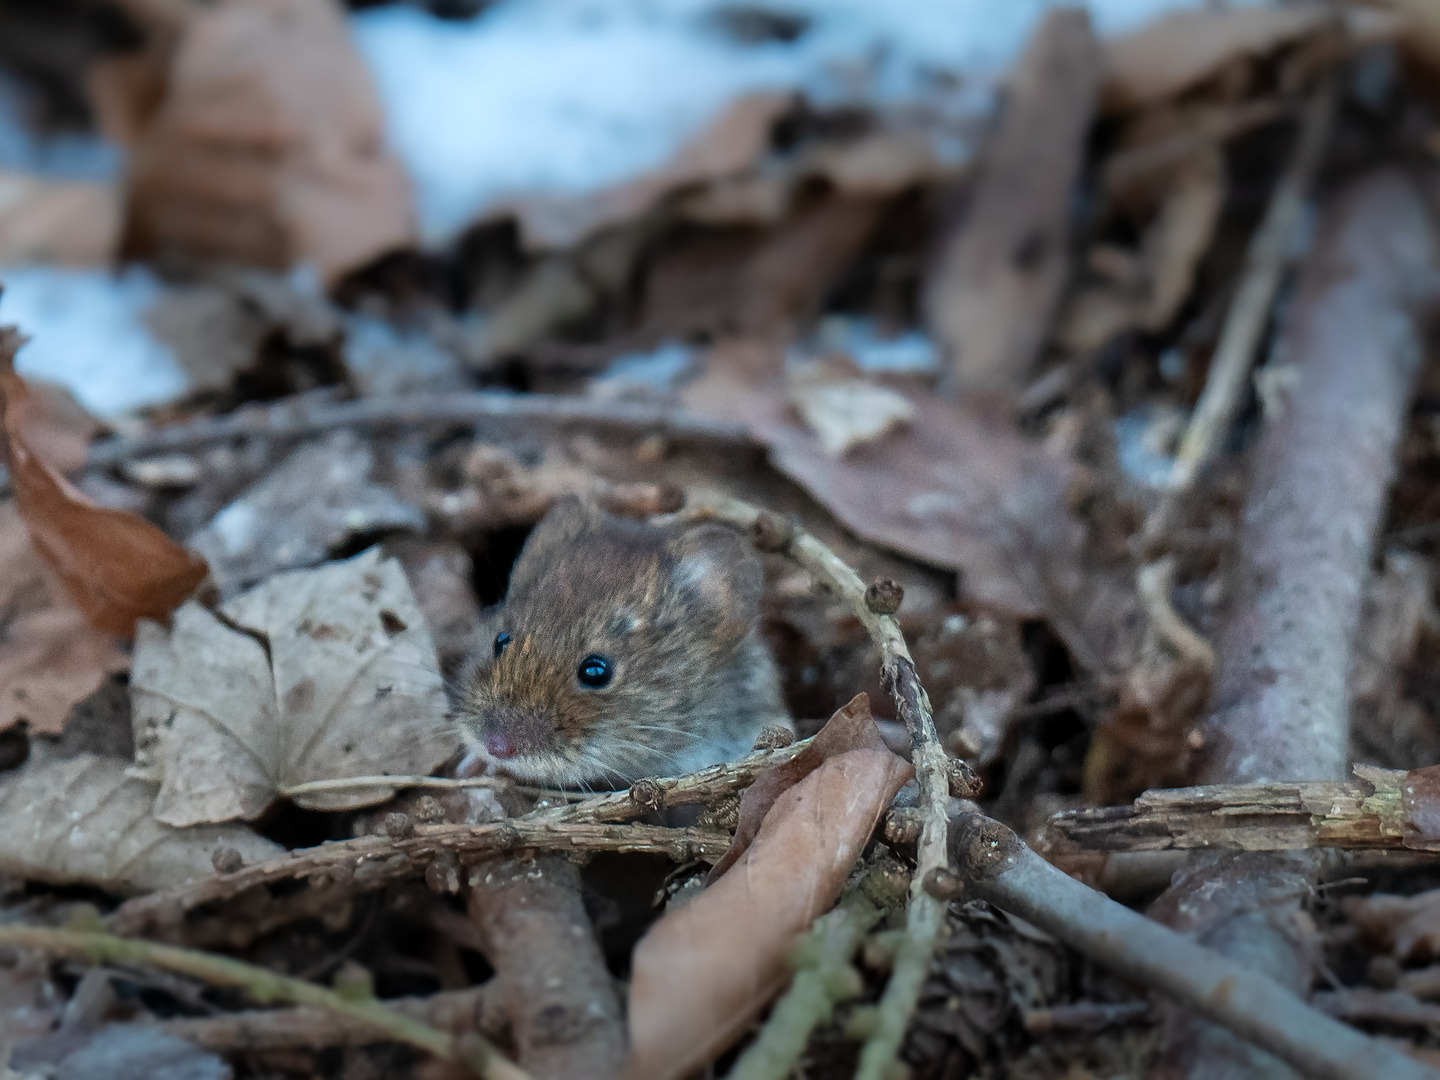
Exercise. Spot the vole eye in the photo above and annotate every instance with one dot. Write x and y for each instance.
(501, 640)
(595, 672)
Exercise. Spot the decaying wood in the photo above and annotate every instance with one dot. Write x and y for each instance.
(1000, 276)
(1377, 811)
(561, 1001)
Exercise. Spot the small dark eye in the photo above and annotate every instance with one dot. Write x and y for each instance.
(501, 640)
(595, 672)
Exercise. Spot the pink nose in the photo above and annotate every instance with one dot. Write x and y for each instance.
(499, 746)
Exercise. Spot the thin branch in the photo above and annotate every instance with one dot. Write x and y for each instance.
(368, 862)
(997, 867)
(932, 768)
(263, 985)
(1249, 313)
(287, 420)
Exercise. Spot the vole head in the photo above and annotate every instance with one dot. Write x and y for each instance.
(617, 648)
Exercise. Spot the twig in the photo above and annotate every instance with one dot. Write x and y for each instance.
(452, 1011)
(1153, 582)
(932, 768)
(263, 985)
(997, 867)
(346, 783)
(368, 862)
(1249, 314)
(287, 421)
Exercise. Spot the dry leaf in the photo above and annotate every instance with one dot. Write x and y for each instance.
(958, 488)
(268, 145)
(1179, 50)
(733, 140)
(117, 566)
(81, 821)
(846, 413)
(73, 222)
(313, 502)
(850, 728)
(49, 660)
(344, 684)
(703, 972)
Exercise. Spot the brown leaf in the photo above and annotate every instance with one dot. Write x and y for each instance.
(81, 821)
(116, 565)
(732, 141)
(850, 728)
(1180, 235)
(268, 147)
(50, 660)
(345, 684)
(702, 973)
(74, 222)
(957, 488)
(1173, 53)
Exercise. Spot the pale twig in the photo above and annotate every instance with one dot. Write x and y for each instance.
(263, 985)
(1249, 313)
(995, 866)
(932, 768)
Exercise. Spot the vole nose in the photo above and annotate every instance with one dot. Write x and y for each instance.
(500, 746)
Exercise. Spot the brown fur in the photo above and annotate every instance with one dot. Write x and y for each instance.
(675, 611)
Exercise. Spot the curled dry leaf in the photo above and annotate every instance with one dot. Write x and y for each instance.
(704, 971)
(82, 821)
(314, 675)
(116, 565)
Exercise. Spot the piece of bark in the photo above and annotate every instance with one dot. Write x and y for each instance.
(1320, 473)
(999, 277)
(564, 1011)
(1381, 809)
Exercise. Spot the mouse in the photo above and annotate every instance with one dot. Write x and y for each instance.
(622, 649)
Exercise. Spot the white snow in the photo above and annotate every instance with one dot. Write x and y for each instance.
(89, 335)
(570, 96)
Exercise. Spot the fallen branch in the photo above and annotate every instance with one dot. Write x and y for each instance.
(995, 866)
(263, 985)
(1374, 813)
(287, 420)
(368, 862)
(933, 770)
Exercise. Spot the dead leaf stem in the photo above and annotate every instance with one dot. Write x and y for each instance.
(265, 986)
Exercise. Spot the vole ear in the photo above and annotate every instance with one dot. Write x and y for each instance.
(718, 579)
(566, 521)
